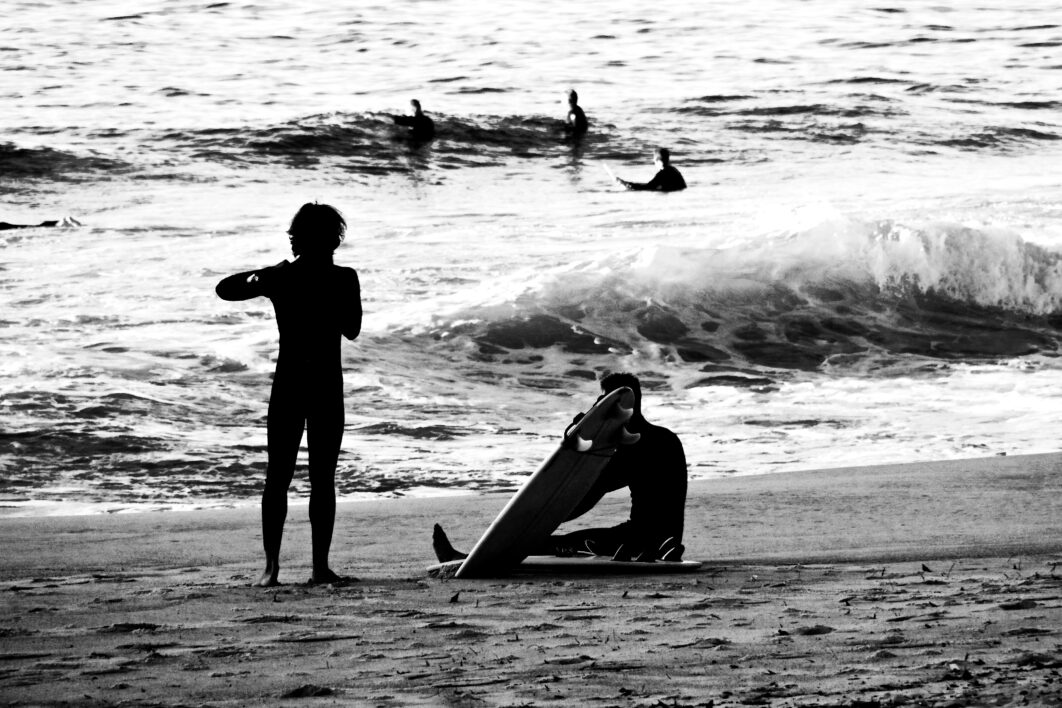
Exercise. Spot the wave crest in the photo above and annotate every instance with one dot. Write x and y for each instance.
(838, 291)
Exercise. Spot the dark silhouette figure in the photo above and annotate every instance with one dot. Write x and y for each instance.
(575, 122)
(316, 303)
(667, 178)
(654, 469)
(66, 221)
(421, 127)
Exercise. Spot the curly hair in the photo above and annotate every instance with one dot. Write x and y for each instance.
(620, 379)
(316, 229)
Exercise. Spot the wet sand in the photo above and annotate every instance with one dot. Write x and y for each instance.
(925, 584)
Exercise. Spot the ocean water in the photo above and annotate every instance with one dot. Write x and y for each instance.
(866, 268)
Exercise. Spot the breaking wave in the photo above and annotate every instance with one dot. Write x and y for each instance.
(830, 295)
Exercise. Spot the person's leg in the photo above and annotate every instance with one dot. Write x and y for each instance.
(599, 541)
(283, 435)
(444, 550)
(324, 435)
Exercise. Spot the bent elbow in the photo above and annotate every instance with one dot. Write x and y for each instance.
(223, 291)
(352, 330)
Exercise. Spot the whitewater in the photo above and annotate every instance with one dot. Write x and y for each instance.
(867, 266)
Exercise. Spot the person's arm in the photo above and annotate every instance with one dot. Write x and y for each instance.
(613, 477)
(591, 499)
(247, 285)
(652, 185)
(351, 325)
(403, 120)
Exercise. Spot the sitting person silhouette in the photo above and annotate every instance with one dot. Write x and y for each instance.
(667, 178)
(421, 127)
(654, 469)
(316, 303)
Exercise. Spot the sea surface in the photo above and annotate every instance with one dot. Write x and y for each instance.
(866, 268)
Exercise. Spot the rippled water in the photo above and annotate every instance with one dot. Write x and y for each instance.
(866, 267)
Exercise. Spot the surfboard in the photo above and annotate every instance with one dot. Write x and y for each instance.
(550, 495)
(577, 565)
(609, 172)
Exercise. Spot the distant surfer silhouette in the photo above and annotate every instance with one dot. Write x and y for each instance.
(667, 178)
(654, 469)
(575, 122)
(66, 221)
(421, 127)
(316, 303)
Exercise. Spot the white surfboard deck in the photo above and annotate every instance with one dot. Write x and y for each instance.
(578, 565)
(550, 495)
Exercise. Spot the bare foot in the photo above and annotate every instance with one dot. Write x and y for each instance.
(269, 578)
(444, 551)
(328, 577)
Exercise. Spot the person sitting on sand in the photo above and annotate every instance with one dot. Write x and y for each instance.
(421, 127)
(575, 122)
(65, 221)
(654, 469)
(316, 303)
(667, 178)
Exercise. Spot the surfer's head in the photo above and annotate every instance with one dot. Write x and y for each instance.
(662, 156)
(317, 229)
(416, 106)
(573, 97)
(618, 380)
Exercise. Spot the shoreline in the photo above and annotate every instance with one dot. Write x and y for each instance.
(19, 509)
(935, 582)
(892, 512)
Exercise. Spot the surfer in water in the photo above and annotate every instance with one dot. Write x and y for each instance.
(421, 127)
(575, 123)
(64, 222)
(316, 303)
(654, 469)
(667, 178)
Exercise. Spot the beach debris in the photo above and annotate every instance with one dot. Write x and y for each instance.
(1019, 605)
(309, 690)
(703, 642)
(566, 660)
(131, 627)
(813, 630)
(1026, 632)
(455, 596)
(1038, 661)
(262, 619)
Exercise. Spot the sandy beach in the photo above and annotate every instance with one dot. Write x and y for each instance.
(926, 584)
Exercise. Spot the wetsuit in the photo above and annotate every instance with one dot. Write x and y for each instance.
(5, 226)
(316, 302)
(421, 127)
(654, 468)
(668, 179)
(577, 123)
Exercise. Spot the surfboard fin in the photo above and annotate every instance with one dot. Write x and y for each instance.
(629, 438)
(624, 413)
(581, 444)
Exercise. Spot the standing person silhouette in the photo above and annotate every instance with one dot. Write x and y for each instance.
(316, 303)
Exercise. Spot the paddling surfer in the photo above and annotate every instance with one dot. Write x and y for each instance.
(666, 179)
(421, 127)
(654, 469)
(316, 303)
(64, 222)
